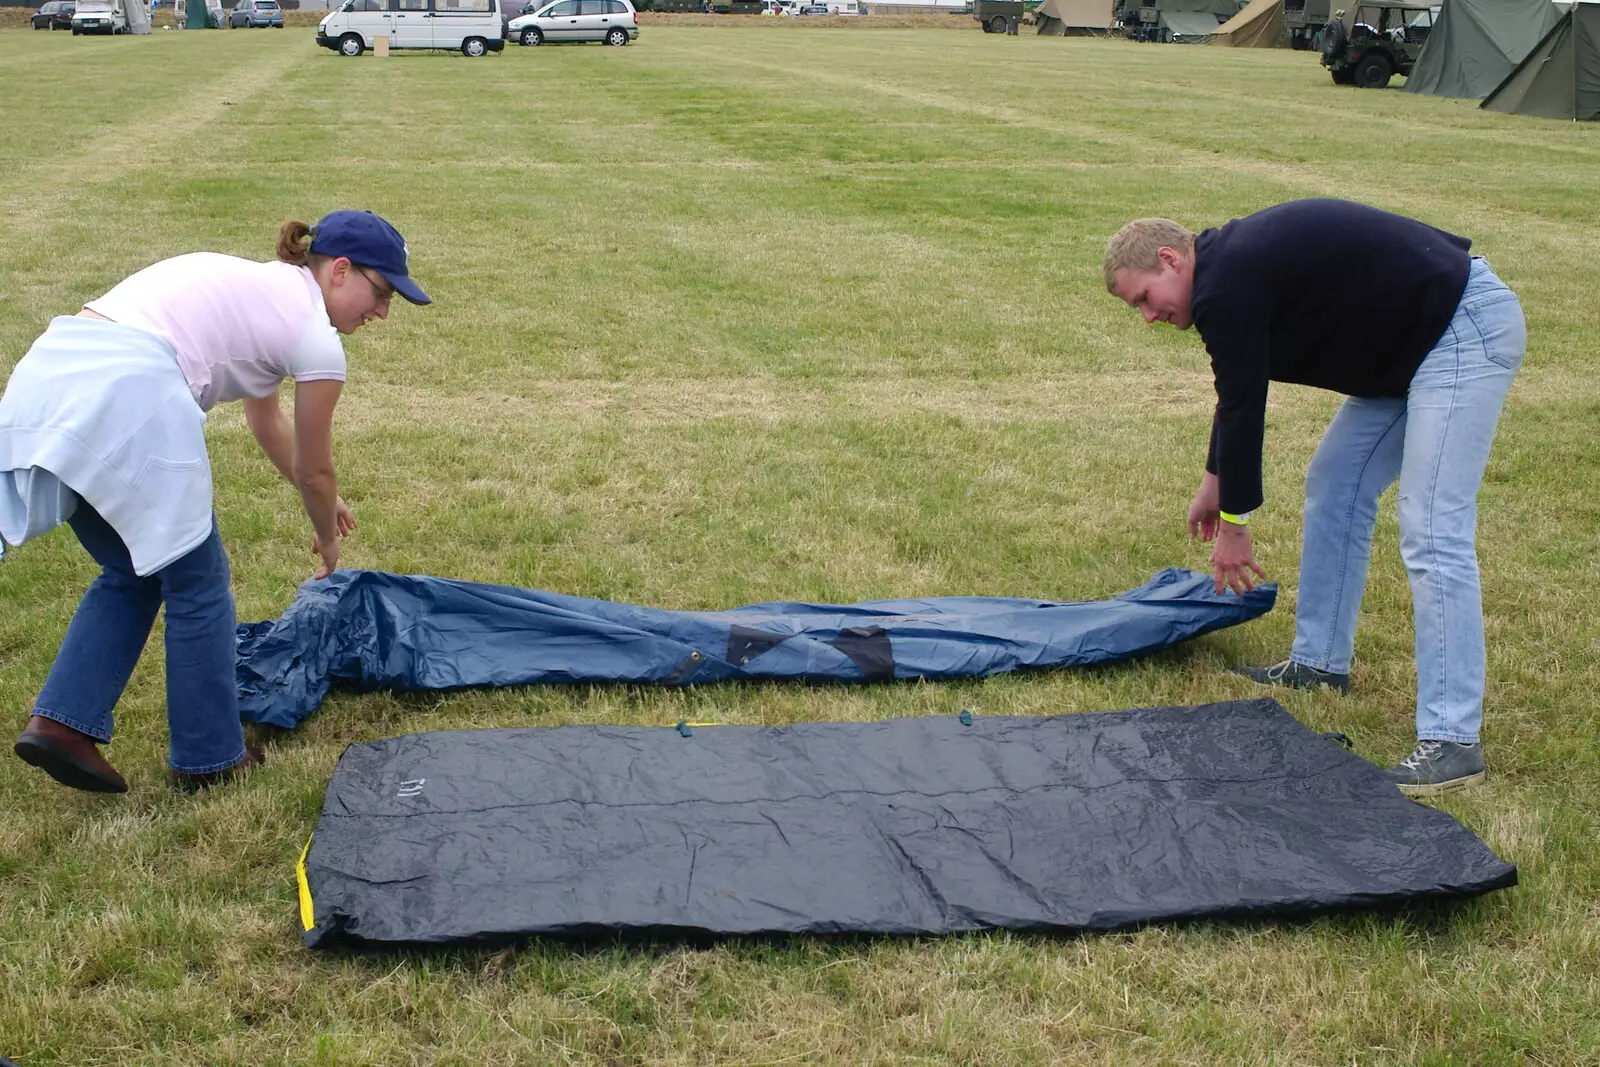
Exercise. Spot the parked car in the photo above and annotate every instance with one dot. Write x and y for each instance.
(255, 13)
(612, 21)
(56, 15)
(813, 9)
(100, 16)
(471, 27)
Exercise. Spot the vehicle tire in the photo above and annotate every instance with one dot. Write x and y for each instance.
(1373, 72)
(997, 24)
(616, 37)
(532, 36)
(350, 45)
(474, 46)
(1344, 76)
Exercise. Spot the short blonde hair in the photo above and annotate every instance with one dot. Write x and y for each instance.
(1136, 244)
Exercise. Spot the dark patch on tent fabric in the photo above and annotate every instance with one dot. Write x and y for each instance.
(908, 826)
(868, 648)
(371, 630)
(745, 644)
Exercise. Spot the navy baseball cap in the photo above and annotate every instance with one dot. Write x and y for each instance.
(368, 239)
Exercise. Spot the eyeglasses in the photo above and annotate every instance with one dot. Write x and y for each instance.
(383, 291)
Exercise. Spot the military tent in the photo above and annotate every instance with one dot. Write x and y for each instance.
(1074, 18)
(1258, 25)
(1560, 78)
(1474, 44)
(1187, 27)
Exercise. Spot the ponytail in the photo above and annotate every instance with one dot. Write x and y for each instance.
(294, 243)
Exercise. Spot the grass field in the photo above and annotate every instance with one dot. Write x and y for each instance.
(730, 316)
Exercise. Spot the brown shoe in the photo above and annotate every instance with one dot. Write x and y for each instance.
(193, 783)
(67, 755)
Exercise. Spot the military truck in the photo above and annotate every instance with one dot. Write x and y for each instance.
(993, 15)
(1304, 19)
(1172, 20)
(1379, 40)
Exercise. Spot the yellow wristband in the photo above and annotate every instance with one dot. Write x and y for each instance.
(1237, 520)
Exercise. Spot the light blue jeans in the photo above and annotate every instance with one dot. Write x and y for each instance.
(1436, 442)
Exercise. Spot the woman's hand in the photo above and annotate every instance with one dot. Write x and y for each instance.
(1234, 560)
(330, 557)
(1205, 510)
(344, 518)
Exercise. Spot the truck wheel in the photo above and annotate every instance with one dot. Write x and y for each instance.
(473, 46)
(1343, 76)
(1373, 72)
(997, 24)
(350, 44)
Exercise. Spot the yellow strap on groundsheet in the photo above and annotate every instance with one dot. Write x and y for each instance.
(307, 915)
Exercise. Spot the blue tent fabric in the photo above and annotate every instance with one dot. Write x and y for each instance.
(372, 630)
(905, 826)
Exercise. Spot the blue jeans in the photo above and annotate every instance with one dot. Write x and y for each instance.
(1436, 442)
(109, 631)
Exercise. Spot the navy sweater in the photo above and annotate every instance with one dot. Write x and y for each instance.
(1320, 292)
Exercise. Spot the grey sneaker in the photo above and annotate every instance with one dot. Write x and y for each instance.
(1292, 675)
(1438, 767)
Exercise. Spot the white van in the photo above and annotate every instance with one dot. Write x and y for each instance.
(471, 27)
(100, 16)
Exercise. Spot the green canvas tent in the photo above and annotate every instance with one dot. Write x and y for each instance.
(1474, 44)
(1186, 27)
(1074, 18)
(1258, 25)
(1560, 78)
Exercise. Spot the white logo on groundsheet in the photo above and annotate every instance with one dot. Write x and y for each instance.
(411, 787)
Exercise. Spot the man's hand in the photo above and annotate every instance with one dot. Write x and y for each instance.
(1204, 511)
(1233, 560)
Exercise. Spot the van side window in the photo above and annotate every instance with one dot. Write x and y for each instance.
(411, 5)
(591, 7)
(368, 5)
(566, 7)
(480, 6)
(616, 7)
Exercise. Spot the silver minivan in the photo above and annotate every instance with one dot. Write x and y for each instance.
(611, 21)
